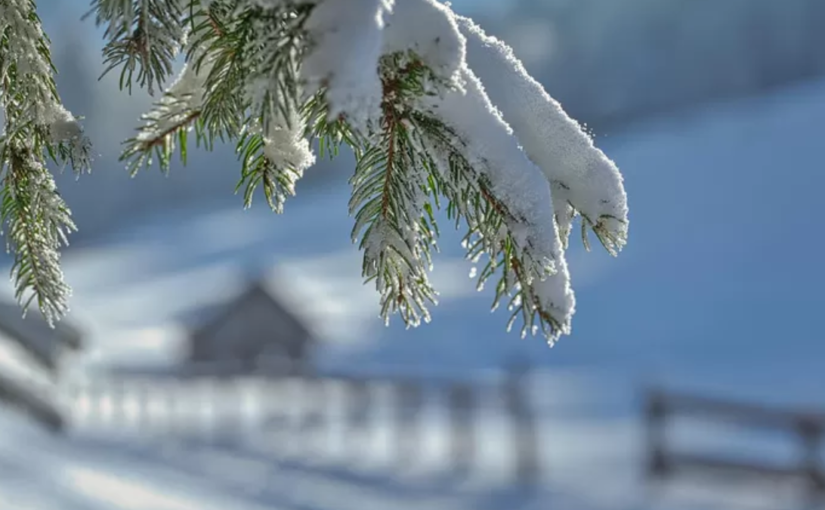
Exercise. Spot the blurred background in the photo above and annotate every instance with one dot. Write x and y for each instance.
(217, 357)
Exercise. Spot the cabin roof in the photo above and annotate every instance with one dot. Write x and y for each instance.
(257, 289)
(34, 334)
(31, 402)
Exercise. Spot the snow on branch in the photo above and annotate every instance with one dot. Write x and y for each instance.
(585, 180)
(437, 113)
(524, 241)
(427, 29)
(345, 44)
(172, 115)
(36, 128)
(488, 145)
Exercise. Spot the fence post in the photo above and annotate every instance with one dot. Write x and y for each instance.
(163, 406)
(408, 408)
(811, 432)
(313, 403)
(117, 401)
(72, 395)
(140, 420)
(293, 411)
(172, 411)
(358, 412)
(91, 392)
(275, 394)
(527, 447)
(229, 418)
(656, 414)
(463, 440)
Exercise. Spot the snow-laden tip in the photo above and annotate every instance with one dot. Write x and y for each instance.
(346, 38)
(555, 295)
(583, 175)
(490, 146)
(429, 29)
(181, 100)
(286, 146)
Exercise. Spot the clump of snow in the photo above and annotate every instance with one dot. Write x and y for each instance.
(555, 295)
(65, 128)
(181, 100)
(346, 37)
(585, 178)
(286, 146)
(428, 28)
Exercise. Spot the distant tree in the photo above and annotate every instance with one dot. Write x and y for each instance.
(433, 108)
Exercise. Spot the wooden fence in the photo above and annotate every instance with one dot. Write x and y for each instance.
(666, 461)
(303, 407)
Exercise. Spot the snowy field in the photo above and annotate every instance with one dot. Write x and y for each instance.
(718, 290)
(589, 462)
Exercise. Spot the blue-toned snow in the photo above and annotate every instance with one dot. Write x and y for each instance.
(719, 289)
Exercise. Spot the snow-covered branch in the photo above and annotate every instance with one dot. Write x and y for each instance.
(434, 109)
(584, 180)
(36, 128)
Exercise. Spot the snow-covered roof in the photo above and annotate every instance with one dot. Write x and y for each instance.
(258, 290)
(34, 334)
(24, 398)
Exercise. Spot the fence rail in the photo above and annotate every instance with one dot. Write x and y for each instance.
(309, 404)
(665, 461)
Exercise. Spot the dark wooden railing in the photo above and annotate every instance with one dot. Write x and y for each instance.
(27, 399)
(666, 461)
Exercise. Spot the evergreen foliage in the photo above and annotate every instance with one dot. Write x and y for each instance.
(269, 76)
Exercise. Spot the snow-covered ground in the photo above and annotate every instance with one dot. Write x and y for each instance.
(719, 290)
(590, 461)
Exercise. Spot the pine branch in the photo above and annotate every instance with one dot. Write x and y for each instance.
(389, 196)
(484, 215)
(277, 174)
(144, 36)
(239, 85)
(37, 128)
(584, 181)
(268, 76)
(37, 222)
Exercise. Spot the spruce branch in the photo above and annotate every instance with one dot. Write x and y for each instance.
(264, 163)
(239, 85)
(472, 201)
(37, 128)
(37, 222)
(144, 36)
(268, 76)
(390, 190)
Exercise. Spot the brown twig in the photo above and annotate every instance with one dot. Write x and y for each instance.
(159, 139)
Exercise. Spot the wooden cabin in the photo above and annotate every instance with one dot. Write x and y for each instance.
(253, 331)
